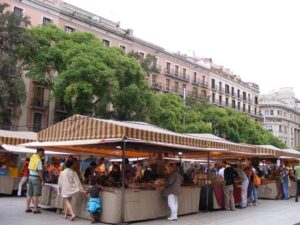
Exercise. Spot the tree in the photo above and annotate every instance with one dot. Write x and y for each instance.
(89, 75)
(12, 37)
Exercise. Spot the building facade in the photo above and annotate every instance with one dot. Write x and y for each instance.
(281, 115)
(177, 73)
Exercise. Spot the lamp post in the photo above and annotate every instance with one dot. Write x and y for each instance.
(180, 157)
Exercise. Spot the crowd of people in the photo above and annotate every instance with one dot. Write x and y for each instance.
(70, 177)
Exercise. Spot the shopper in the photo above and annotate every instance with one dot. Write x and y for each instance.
(25, 175)
(297, 173)
(69, 184)
(229, 174)
(172, 189)
(94, 205)
(35, 180)
(284, 173)
(245, 183)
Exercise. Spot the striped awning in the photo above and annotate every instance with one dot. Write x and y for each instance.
(16, 137)
(79, 127)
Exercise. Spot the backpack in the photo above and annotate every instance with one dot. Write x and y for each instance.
(256, 180)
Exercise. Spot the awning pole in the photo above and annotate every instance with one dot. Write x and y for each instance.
(207, 179)
(123, 183)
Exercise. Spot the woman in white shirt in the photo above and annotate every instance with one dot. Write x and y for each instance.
(69, 185)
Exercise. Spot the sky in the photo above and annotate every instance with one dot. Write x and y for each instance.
(258, 40)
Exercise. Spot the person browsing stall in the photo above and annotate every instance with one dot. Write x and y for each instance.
(35, 180)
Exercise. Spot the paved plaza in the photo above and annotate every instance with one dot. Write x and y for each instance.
(275, 212)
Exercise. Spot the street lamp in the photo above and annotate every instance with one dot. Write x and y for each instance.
(180, 156)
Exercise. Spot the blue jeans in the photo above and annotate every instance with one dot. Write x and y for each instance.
(253, 196)
(285, 189)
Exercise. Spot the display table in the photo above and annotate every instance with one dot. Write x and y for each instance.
(216, 197)
(8, 184)
(139, 204)
(273, 190)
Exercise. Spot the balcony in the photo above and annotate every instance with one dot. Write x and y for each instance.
(214, 88)
(177, 75)
(61, 107)
(221, 90)
(201, 83)
(38, 103)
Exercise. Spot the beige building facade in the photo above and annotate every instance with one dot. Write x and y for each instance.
(281, 115)
(177, 73)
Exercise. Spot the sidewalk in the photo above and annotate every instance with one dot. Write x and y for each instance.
(275, 212)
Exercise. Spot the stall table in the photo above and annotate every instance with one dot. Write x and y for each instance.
(8, 184)
(139, 204)
(273, 190)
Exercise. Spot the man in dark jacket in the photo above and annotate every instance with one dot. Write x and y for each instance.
(172, 189)
(229, 174)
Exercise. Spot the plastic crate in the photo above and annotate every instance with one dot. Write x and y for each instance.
(3, 172)
(13, 172)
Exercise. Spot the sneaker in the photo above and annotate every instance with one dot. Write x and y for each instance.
(255, 204)
(172, 219)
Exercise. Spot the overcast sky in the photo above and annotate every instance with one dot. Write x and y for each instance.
(257, 39)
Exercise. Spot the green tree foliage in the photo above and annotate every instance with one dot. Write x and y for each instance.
(12, 37)
(238, 127)
(89, 75)
(172, 115)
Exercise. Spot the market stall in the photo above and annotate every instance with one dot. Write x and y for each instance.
(83, 134)
(9, 174)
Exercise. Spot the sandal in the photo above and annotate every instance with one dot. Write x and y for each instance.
(72, 218)
(28, 210)
(37, 211)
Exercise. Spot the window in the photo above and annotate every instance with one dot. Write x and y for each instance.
(271, 112)
(18, 11)
(233, 104)
(168, 84)
(269, 127)
(203, 79)
(238, 93)
(47, 21)
(244, 96)
(226, 88)
(123, 47)
(38, 96)
(232, 91)
(107, 43)
(226, 101)
(168, 69)
(184, 72)
(69, 29)
(220, 99)
(256, 100)
(183, 86)
(249, 97)
(267, 112)
(213, 96)
(195, 77)
(249, 109)
(239, 105)
(280, 129)
(195, 92)
(37, 122)
(176, 86)
(255, 111)
(176, 70)
(244, 107)
(203, 93)
(213, 83)
(220, 85)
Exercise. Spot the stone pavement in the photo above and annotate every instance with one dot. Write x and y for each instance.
(272, 212)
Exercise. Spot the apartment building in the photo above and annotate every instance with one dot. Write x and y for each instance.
(281, 115)
(176, 73)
